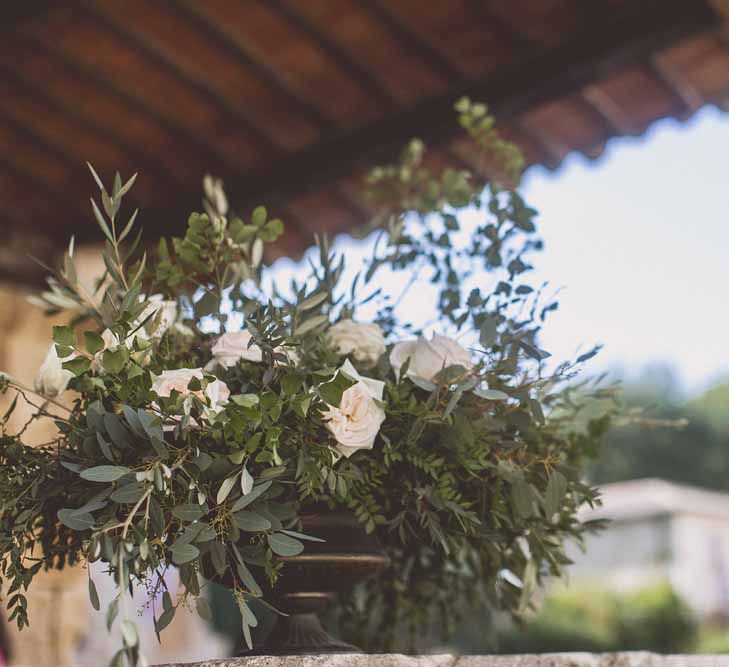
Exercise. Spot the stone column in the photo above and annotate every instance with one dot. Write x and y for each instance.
(64, 630)
(57, 600)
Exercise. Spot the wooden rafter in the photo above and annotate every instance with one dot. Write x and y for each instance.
(238, 113)
(37, 182)
(683, 97)
(423, 50)
(76, 114)
(598, 115)
(38, 141)
(357, 71)
(15, 13)
(196, 14)
(209, 153)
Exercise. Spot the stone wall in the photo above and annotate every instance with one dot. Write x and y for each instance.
(57, 601)
(635, 659)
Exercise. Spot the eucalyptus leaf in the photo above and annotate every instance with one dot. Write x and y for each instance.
(74, 520)
(203, 608)
(302, 536)
(165, 618)
(312, 302)
(184, 553)
(491, 394)
(244, 501)
(251, 522)
(189, 512)
(104, 473)
(285, 545)
(312, 323)
(246, 482)
(225, 488)
(94, 595)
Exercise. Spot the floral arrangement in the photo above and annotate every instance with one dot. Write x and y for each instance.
(194, 443)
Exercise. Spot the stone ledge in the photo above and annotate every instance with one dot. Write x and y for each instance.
(631, 659)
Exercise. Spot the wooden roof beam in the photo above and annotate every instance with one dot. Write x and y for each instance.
(426, 52)
(359, 73)
(75, 113)
(57, 195)
(209, 153)
(152, 51)
(196, 14)
(14, 13)
(683, 96)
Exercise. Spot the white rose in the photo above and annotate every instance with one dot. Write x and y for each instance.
(178, 380)
(158, 305)
(429, 357)
(233, 347)
(356, 422)
(111, 342)
(52, 378)
(363, 340)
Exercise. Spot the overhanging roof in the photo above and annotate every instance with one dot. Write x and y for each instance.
(290, 100)
(645, 499)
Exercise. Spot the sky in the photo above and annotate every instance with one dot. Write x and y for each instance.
(637, 243)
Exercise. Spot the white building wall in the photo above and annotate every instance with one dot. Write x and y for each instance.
(628, 555)
(699, 569)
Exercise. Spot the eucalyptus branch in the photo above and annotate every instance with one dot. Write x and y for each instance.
(135, 509)
(22, 389)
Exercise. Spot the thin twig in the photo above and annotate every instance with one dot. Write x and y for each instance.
(128, 522)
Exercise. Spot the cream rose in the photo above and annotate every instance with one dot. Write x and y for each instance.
(52, 378)
(178, 380)
(166, 309)
(356, 422)
(363, 340)
(233, 347)
(157, 304)
(429, 357)
(112, 342)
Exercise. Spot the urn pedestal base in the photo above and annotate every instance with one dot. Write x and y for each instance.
(301, 634)
(312, 579)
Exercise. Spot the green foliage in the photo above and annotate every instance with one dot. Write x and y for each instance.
(712, 408)
(663, 437)
(596, 620)
(473, 481)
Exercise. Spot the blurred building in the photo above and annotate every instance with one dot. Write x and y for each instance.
(660, 531)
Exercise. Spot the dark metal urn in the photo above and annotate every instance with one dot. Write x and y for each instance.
(310, 580)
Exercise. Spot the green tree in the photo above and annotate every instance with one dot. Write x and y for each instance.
(667, 437)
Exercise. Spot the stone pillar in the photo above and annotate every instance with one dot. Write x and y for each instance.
(64, 629)
(57, 600)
